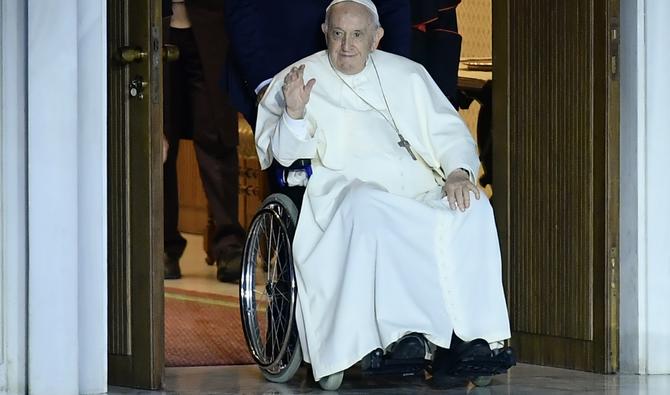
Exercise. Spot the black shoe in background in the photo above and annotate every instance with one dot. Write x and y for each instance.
(171, 267)
(229, 265)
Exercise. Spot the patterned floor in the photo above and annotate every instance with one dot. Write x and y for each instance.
(203, 330)
(202, 318)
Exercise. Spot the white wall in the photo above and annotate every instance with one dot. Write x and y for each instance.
(92, 193)
(645, 212)
(53, 295)
(3, 343)
(632, 125)
(67, 284)
(13, 260)
(656, 164)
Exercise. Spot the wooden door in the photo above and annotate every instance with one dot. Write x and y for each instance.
(135, 188)
(556, 177)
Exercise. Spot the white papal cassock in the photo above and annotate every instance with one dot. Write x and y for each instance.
(378, 252)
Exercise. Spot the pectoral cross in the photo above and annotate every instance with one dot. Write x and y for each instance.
(406, 145)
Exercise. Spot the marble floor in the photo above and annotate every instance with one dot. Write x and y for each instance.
(196, 274)
(522, 379)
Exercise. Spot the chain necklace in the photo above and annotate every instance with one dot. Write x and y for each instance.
(402, 142)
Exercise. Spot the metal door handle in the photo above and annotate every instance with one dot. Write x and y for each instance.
(170, 53)
(128, 55)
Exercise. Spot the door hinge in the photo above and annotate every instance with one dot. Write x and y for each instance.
(613, 267)
(614, 48)
(613, 314)
(156, 57)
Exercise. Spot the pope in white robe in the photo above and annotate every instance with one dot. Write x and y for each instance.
(388, 242)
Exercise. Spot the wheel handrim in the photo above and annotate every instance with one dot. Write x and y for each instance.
(268, 244)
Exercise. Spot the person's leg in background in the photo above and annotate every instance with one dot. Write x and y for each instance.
(177, 121)
(219, 168)
(174, 244)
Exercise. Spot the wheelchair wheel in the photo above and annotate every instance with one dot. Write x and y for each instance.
(268, 292)
(331, 382)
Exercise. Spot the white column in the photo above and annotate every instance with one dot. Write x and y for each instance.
(645, 212)
(657, 186)
(13, 259)
(631, 250)
(92, 164)
(53, 198)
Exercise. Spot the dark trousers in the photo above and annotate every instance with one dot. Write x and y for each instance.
(189, 114)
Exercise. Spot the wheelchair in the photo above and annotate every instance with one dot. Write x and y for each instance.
(268, 298)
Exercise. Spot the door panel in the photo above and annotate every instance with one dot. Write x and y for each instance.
(556, 194)
(135, 187)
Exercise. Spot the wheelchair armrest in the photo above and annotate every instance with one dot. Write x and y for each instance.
(299, 164)
(281, 172)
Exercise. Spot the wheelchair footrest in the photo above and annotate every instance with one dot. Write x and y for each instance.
(477, 360)
(378, 364)
(474, 367)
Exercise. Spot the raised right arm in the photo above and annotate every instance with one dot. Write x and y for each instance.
(278, 135)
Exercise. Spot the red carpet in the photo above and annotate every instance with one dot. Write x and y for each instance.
(203, 329)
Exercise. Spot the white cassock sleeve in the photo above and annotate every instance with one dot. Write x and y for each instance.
(278, 136)
(292, 140)
(450, 137)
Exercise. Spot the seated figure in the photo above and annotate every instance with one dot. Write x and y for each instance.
(394, 237)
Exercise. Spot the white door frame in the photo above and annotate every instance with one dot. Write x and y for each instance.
(645, 189)
(67, 196)
(53, 196)
(13, 198)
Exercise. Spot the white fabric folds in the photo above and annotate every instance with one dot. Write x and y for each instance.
(378, 252)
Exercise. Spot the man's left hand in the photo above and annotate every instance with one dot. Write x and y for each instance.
(457, 189)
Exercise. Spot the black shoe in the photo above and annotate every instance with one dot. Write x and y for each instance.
(229, 266)
(410, 346)
(171, 266)
(472, 359)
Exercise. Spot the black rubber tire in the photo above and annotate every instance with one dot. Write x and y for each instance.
(268, 300)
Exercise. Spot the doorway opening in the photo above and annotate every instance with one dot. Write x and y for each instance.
(202, 317)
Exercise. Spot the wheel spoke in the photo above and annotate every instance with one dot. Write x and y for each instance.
(270, 236)
(269, 297)
(281, 293)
